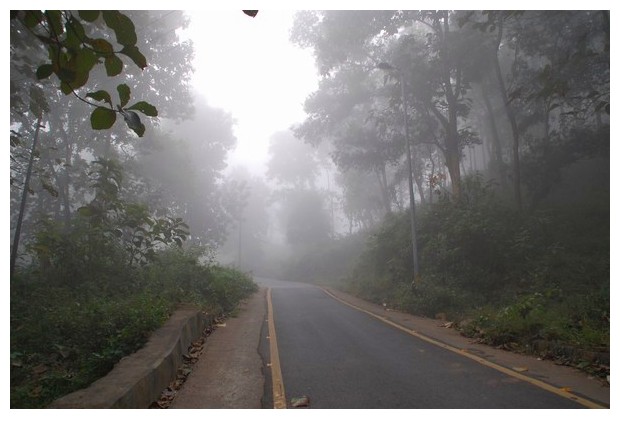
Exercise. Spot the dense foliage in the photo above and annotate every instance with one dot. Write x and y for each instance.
(97, 287)
(109, 238)
(69, 327)
(507, 115)
(537, 282)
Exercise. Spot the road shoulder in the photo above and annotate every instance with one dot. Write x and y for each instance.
(228, 374)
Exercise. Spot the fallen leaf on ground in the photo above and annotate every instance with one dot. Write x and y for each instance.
(519, 368)
(300, 402)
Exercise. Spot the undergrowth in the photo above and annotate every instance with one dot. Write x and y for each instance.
(65, 334)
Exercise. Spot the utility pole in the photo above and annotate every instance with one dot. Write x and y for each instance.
(414, 243)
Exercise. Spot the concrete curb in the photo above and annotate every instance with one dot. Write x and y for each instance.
(138, 380)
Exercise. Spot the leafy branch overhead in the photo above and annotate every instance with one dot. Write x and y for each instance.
(73, 54)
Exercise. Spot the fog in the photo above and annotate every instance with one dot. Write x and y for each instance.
(282, 134)
(450, 164)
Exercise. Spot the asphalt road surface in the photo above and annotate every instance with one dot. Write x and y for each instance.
(342, 358)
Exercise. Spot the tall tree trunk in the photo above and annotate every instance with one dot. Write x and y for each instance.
(66, 182)
(420, 185)
(497, 145)
(453, 153)
(511, 118)
(383, 187)
(431, 178)
(22, 206)
(451, 148)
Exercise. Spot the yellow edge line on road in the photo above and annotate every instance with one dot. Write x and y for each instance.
(279, 398)
(582, 401)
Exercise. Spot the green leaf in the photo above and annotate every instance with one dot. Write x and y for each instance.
(54, 18)
(89, 15)
(75, 33)
(123, 27)
(102, 118)
(33, 18)
(144, 107)
(85, 60)
(102, 47)
(100, 96)
(113, 65)
(139, 130)
(80, 80)
(66, 75)
(124, 93)
(133, 121)
(65, 88)
(44, 71)
(136, 56)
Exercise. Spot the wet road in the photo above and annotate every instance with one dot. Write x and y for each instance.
(343, 358)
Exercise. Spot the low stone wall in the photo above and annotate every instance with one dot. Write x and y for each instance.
(138, 380)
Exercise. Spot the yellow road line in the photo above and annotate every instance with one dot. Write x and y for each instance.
(279, 398)
(568, 395)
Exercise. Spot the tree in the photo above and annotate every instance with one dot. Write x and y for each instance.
(247, 239)
(424, 46)
(551, 70)
(293, 166)
(67, 140)
(306, 220)
(360, 199)
(291, 163)
(73, 53)
(197, 148)
(348, 112)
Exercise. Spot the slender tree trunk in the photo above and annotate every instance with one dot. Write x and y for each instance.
(497, 145)
(66, 181)
(22, 207)
(453, 153)
(420, 185)
(385, 198)
(512, 119)
(431, 179)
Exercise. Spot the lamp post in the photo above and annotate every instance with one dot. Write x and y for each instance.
(414, 243)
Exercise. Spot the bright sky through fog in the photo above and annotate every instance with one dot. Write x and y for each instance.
(248, 67)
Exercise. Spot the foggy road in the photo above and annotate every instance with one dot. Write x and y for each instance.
(343, 358)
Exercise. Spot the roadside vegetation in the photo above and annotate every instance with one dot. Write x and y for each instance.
(535, 283)
(94, 292)
(507, 119)
(120, 201)
(114, 224)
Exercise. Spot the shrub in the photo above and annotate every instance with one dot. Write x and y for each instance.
(511, 278)
(67, 332)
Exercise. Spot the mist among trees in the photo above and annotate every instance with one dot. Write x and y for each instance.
(119, 174)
